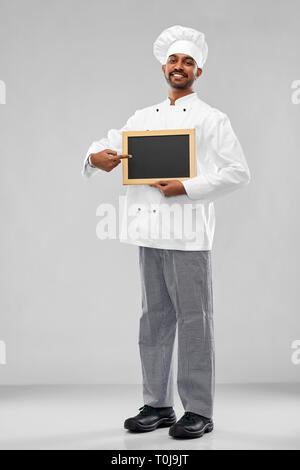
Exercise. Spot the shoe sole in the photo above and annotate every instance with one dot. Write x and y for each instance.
(162, 423)
(183, 433)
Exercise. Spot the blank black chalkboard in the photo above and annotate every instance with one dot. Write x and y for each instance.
(163, 154)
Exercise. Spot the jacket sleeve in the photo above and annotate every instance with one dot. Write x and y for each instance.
(112, 141)
(221, 164)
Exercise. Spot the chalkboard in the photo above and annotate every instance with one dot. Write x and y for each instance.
(161, 154)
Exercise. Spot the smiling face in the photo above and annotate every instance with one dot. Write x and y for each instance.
(181, 71)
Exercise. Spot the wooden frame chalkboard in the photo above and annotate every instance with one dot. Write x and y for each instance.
(158, 155)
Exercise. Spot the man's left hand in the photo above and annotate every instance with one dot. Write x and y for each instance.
(170, 187)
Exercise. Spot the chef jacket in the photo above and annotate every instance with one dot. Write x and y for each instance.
(151, 219)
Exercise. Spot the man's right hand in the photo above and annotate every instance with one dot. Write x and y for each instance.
(107, 160)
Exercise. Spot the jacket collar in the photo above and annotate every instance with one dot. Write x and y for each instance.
(187, 99)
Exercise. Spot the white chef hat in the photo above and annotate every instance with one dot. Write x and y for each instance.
(182, 40)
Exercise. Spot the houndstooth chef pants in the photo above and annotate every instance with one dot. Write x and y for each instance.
(177, 289)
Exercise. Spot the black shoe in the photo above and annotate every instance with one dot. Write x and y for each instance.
(151, 418)
(191, 425)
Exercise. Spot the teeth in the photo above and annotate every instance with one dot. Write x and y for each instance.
(177, 75)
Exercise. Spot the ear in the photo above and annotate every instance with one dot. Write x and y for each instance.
(163, 68)
(199, 72)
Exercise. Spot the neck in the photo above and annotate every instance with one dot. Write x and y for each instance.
(174, 94)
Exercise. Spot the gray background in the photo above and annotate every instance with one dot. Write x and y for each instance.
(70, 303)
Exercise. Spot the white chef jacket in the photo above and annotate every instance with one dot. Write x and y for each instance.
(221, 167)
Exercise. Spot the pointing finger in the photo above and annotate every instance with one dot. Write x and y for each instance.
(124, 156)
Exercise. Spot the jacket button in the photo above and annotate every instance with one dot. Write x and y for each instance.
(157, 110)
(184, 109)
(154, 210)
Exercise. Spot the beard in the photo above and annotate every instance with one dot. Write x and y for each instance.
(177, 85)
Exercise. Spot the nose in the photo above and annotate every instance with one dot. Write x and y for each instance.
(179, 69)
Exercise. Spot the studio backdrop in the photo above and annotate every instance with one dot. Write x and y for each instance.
(70, 70)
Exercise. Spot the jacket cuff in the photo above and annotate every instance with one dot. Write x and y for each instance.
(197, 187)
(88, 170)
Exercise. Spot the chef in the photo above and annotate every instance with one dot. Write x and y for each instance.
(176, 272)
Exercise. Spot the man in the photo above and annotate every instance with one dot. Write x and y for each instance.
(176, 274)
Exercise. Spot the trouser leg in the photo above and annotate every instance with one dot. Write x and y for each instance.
(157, 331)
(189, 280)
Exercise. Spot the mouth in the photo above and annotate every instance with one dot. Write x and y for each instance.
(178, 76)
